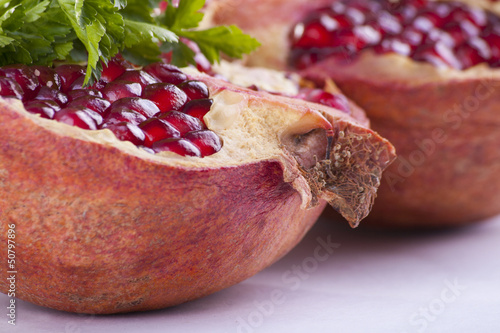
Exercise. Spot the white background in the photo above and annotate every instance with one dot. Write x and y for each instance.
(373, 281)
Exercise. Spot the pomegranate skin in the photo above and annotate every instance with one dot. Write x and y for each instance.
(443, 123)
(105, 227)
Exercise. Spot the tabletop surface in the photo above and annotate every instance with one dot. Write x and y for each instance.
(336, 280)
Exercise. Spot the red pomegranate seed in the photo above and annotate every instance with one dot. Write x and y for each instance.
(202, 63)
(127, 132)
(198, 108)
(439, 55)
(207, 141)
(184, 123)
(412, 36)
(68, 74)
(25, 77)
(438, 35)
(137, 104)
(77, 93)
(194, 89)
(138, 76)
(365, 6)
(386, 24)
(313, 34)
(476, 16)
(114, 68)
(166, 73)
(357, 38)
(473, 52)
(166, 96)
(93, 103)
(156, 130)
(79, 117)
(78, 84)
(123, 114)
(493, 40)
(116, 90)
(10, 88)
(396, 45)
(47, 76)
(52, 94)
(46, 109)
(455, 31)
(319, 96)
(178, 146)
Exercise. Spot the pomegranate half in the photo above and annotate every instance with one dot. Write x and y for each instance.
(104, 226)
(435, 97)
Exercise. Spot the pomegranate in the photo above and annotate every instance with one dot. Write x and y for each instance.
(426, 73)
(129, 202)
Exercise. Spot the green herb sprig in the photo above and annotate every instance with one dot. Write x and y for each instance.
(94, 31)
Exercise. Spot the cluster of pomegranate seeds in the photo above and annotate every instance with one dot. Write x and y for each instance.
(319, 96)
(446, 34)
(156, 107)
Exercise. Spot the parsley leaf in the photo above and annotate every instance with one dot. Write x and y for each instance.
(185, 16)
(227, 39)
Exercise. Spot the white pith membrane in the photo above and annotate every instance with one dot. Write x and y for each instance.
(254, 128)
(387, 67)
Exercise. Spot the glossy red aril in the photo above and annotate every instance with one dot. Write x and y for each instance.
(166, 73)
(68, 74)
(137, 104)
(138, 76)
(156, 130)
(47, 77)
(46, 109)
(198, 108)
(93, 103)
(116, 90)
(438, 55)
(182, 122)
(126, 131)
(79, 117)
(25, 77)
(320, 96)
(122, 114)
(178, 146)
(194, 89)
(114, 68)
(206, 141)
(10, 88)
(166, 96)
(52, 94)
(444, 34)
(77, 93)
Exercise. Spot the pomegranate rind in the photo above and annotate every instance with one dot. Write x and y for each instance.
(443, 122)
(103, 226)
